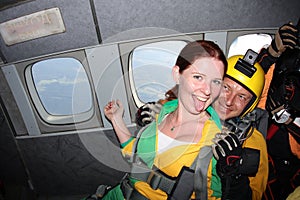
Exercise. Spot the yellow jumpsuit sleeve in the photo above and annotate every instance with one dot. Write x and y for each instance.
(127, 149)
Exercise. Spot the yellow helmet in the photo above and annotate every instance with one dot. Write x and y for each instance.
(251, 77)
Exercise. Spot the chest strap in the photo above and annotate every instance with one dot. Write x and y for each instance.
(154, 177)
(181, 187)
(178, 188)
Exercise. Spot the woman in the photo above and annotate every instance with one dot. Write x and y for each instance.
(182, 129)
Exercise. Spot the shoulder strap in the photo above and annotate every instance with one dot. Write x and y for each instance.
(132, 158)
(200, 166)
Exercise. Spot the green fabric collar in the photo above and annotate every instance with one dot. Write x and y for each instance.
(147, 144)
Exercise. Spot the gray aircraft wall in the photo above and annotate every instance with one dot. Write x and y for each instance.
(94, 22)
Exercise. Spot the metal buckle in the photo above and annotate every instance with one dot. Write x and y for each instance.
(154, 180)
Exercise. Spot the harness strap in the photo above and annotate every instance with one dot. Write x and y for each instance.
(155, 178)
(129, 192)
(158, 180)
(132, 157)
(200, 166)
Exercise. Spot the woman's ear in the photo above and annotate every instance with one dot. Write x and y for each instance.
(176, 74)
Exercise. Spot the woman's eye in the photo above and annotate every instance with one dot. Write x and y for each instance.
(198, 77)
(217, 82)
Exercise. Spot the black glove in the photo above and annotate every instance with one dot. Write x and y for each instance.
(234, 188)
(146, 113)
(234, 165)
(286, 37)
(232, 159)
(227, 150)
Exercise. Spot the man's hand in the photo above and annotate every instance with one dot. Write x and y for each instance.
(227, 150)
(285, 37)
(232, 159)
(146, 113)
(234, 165)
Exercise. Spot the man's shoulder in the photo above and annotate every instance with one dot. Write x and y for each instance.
(256, 140)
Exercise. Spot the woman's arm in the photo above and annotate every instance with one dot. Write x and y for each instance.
(114, 111)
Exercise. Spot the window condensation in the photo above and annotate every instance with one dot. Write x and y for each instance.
(62, 86)
(151, 67)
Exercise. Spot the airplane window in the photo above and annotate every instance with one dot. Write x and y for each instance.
(151, 66)
(251, 41)
(62, 86)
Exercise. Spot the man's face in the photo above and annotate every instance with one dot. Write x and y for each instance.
(232, 100)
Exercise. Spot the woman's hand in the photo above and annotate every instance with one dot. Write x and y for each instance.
(114, 110)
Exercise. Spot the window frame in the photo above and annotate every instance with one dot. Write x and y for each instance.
(50, 118)
(131, 75)
(126, 50)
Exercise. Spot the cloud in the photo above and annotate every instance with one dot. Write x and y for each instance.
(64, 81)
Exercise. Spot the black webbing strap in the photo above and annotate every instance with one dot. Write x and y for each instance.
(129, 192)
(154, 178)
(158, 180)
(141, 171)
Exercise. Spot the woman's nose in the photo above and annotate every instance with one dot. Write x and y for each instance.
(206, 89)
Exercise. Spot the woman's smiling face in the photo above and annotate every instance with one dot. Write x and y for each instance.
(200, 84)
